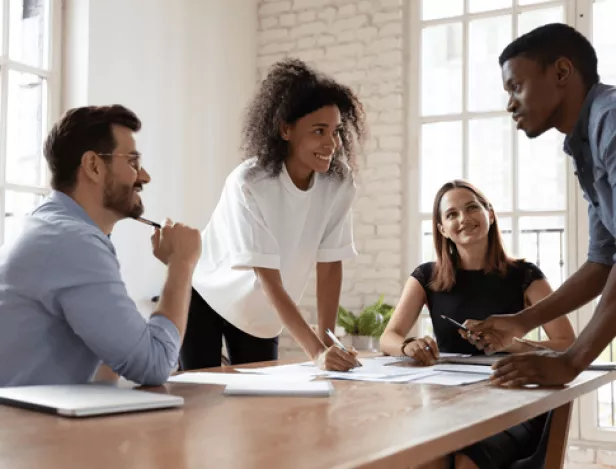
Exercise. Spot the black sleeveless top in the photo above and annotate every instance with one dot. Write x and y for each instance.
(475, 295)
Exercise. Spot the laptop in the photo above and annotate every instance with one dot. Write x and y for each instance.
(85, 400)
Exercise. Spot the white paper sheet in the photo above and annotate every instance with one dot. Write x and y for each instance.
(280, 388)
(372, 368)
(454, 378)
(418, 374)
(456, 367)
(235, 378)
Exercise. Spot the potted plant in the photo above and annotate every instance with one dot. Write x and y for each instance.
(365, 328)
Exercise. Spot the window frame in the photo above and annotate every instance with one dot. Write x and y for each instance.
(578, 13)
(53, 76)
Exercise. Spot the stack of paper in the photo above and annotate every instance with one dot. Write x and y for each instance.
(296, 378)
(452, 378)
(281, 388)
(372, 369)
(259, 384)
(234, 378)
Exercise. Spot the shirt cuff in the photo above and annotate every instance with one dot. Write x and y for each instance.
(249, 260)
(338, 254)
(168, 326)
(601, 258)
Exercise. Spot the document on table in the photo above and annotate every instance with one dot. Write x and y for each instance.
(455, 367)
(303, 369)
(379, 369)
(452, 378)
(372, 369)
(236, 378)
(280, 388)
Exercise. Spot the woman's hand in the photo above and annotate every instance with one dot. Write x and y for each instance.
(336, 359)
(424, 351)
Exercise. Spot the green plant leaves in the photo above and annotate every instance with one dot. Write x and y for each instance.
(371, 321)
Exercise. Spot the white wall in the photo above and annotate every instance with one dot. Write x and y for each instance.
(187, 68)
(360, 43)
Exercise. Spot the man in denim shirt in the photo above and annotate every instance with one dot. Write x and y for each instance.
(64, 308)
(551, 77)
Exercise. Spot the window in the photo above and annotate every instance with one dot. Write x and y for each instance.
(599, 408)
(29, 98)
(459, 129)
(463, 130)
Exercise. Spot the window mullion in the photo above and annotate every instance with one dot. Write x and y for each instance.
(4, 94)
(465, 54)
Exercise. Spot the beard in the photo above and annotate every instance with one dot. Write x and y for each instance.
(119, 198)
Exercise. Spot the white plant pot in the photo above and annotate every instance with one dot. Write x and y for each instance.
(365, 343)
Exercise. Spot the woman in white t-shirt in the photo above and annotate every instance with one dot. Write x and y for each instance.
(283, 211)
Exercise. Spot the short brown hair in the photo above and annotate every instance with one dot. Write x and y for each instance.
(80, 130)
(444, 272)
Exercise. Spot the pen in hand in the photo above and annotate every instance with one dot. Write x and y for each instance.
(339, 344)
(148, 222)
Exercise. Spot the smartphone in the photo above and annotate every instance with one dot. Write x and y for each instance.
(455, 323)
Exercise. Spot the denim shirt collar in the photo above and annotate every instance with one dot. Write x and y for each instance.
(579, 136)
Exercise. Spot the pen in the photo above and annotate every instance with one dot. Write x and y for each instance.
(338, 344)
(455, 323)
(148, 222)
(335, 340)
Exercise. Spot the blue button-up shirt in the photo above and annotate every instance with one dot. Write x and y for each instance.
(592, 144)
(64, 307)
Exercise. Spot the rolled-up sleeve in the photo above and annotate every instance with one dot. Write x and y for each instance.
(602, 246)
(337, 243)
(250, 241)
(95, 303)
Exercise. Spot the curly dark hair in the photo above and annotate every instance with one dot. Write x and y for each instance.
(290, 91)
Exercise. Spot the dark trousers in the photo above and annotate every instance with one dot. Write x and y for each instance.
(203, 340)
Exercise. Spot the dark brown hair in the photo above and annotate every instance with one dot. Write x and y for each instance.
(78, 131)
(290, 91)
(548, 43)
(444, 273)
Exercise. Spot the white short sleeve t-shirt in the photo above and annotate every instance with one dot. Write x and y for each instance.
(264, 221)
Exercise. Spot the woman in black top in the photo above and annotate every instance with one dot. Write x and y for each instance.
(472, 278)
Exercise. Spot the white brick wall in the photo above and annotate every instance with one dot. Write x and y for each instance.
(360, 44)
(589, 458)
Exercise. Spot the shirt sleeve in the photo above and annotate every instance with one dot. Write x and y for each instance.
(251, 242)
(423, 274)
(337, 243)
(531, 273)
(94, 301)
(602, 247)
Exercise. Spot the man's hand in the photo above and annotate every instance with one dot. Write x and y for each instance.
(176, 242)
(336, 359)
(496, 333)
(544, 368)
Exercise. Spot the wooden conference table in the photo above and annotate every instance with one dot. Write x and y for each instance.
(364, 425)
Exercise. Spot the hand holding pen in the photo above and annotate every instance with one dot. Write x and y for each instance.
(424, 350)
(468, 335)
(337, 357)
(175, 242)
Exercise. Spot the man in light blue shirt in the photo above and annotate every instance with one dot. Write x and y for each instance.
(64, 308)
(551, 77)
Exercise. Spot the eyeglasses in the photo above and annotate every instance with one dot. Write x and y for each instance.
(134, 159)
